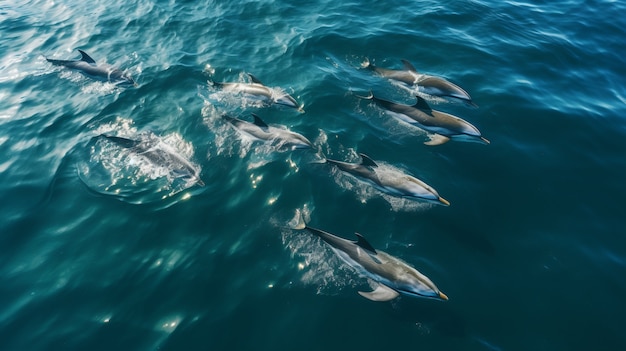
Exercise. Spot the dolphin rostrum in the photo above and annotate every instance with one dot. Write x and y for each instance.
(441, 125)
(392, 275)
(88, 66)
(431, 85)
(257, 90)
(160, 153)
(389, 181)
(279, 137)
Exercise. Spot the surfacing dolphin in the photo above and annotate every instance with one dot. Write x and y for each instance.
(160, 153)
(279, 137)
(390, 181)
(88, 66)
(431, 85)
(442, 126)
(257, 90)
(392, 275)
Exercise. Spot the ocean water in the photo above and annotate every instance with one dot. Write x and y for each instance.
(102, 248)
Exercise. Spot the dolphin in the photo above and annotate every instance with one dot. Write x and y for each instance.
(159, 153)
(283, 138)
(392, 275)
(257, 90)
(88, 66)
(441, 125)
(392, 182)
(431, 85)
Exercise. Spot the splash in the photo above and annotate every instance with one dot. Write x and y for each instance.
(317, 264)
(131, 176)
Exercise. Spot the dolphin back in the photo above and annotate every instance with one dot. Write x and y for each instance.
(123, 142)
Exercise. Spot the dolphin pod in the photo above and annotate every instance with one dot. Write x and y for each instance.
(431, 85)
(279, 137)
(88, 66)
(159, 153)
(391, 275)
(394, 183)
(258, 90)
(441, 125)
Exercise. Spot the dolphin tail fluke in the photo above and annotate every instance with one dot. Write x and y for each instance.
(381, 293)
(299, 224)
(367, 64)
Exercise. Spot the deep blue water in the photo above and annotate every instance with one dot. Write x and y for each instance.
(101, 250)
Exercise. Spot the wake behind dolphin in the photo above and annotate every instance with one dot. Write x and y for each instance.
(430, 85)
(391, 275)
(88, 66)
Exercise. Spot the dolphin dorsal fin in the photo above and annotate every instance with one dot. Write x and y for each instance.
(85, 57)
(259, 122)
(361, 242)
(254, 79)
(408, 66)
(421, 104)
(367, 161)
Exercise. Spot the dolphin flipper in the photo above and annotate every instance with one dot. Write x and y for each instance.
(381, 293)
(437, 139)
(86, 58)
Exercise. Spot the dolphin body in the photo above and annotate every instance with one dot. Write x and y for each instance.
(282, 138)
(391, 182)
(431, 85)
(257, 90)
(441, 125)
(159, 153)
(392, 275)
(87, 66)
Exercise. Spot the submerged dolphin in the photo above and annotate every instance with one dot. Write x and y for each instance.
(431, 85)
(88, 66)
(443, 126)
(390, 181)
(392, 275)
(159, 153)
(277, 136)
(257, 90)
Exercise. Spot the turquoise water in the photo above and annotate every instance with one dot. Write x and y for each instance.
(102, 249)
